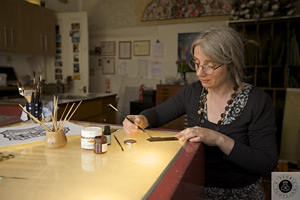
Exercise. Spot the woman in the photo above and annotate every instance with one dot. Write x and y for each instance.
(234, 120)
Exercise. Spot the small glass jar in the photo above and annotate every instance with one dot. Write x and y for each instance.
(100, 145)
(107, 134)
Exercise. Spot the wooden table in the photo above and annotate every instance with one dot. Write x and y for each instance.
(145, 170)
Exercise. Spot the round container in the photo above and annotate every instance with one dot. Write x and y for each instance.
(88, 136)
(130, 141)
(100, 144)
(55, 140)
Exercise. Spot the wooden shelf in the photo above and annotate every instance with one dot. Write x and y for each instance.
(264, 20)
(269, 59)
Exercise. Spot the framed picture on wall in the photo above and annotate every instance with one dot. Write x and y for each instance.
(108, 48)
(185, 41)
(124, 50)
(141, 48)
(108, 65)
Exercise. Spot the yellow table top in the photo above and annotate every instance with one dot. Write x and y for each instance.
(75, 173)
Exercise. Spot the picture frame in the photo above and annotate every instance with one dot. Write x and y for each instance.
(108, 48)
(108, 65)
(142, 48)
(184, 44)
(125, 50)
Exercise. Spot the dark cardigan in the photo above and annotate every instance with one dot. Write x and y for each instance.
(254, 131)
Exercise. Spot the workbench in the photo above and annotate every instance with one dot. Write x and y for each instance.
(145, 170)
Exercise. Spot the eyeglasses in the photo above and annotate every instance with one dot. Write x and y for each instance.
(195, 65)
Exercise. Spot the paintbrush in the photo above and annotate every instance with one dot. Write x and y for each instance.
(118, 142)
(130, 120)
(151, 139)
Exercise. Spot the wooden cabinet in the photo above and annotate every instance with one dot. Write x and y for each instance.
(10, 36)
(9, 92)
(38, 29)
(272, 57)
(46, 32)
(164, 92)
(93, 110)
(30, 42)
(26, 27)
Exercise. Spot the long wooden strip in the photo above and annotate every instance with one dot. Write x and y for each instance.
(59, 128)
(54, 128)
(61, 117)
(54, 112)
(71, 114)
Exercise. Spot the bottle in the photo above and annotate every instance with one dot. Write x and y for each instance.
(141, 90)
(100, 145)
(42, 3)
(107, 134)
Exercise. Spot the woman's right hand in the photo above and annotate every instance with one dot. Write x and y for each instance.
(139, 120)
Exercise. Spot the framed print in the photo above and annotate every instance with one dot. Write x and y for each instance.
(124, 50)
(108, 65)
(108, 48)
(142, 48)
(185, 41)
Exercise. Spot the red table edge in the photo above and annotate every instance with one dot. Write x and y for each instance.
(170, 183)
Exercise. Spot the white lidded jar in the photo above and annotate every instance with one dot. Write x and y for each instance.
(88, 136)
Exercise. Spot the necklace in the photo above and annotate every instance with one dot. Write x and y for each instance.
(203, 99)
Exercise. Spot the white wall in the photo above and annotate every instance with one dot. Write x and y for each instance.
(167, 34)
(115, 20)
(27, 63)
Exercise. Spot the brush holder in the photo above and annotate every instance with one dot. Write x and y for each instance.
(35, 109)
(56, 139)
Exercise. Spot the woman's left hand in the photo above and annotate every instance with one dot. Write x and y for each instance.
(208, 137)
(199, 134)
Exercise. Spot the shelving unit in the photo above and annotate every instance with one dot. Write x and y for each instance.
(272, 57)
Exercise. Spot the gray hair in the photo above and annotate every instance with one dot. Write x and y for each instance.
(224, 45)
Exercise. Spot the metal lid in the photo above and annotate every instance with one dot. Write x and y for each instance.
(129, 141)
(91, 131)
